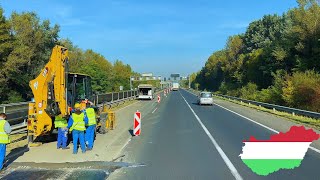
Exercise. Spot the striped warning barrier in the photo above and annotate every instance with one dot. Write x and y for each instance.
(137, 123)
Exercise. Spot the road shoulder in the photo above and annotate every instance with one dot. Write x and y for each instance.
(274, 122)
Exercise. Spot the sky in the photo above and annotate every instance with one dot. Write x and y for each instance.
(162, 37)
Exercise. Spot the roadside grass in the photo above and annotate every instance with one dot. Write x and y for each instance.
(310, 122)
(307, 121)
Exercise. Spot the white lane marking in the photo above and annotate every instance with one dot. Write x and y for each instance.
(154, 110)
(247, 118)
(273, 130)
(125, 145)
(216, 145)
(127, 106)
(313, 148)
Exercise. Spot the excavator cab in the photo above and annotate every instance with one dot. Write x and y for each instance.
(78, 88)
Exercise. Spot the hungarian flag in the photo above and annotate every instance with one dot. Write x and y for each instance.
(282, 151)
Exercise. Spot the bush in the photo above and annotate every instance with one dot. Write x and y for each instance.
(302, 90)
(249, 91)
(14, 97)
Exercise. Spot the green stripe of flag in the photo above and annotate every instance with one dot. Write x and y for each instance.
(267, 166)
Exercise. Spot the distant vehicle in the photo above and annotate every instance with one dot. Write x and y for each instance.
(205, 98)
(175, 86)
(146, 91)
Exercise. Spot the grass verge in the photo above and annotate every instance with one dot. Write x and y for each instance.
(307, 121)
(310, 122)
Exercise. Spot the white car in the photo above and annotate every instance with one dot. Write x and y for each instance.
(205, 98)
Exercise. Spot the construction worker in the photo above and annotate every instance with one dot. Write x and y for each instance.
(77, 126)
(61, 123)
(5, 130)
(91, 114)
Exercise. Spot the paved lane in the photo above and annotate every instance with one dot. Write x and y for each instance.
(230, 130)
(174, 145)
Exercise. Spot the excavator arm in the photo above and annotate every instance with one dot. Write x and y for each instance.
(49, 91)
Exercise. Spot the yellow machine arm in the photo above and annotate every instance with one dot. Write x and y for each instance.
(49, 91)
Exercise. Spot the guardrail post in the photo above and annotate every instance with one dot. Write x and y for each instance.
(4, 109)
(274, 109)
(127, 94)
(112, 97)
(97, 99)
(118, 95)
(259, 106)
(249, 103)
(293, 114)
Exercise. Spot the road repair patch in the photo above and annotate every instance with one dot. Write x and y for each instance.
(79, 170)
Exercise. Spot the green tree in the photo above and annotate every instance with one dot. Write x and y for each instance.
(121, 75)
(32, 41)
(5, 48)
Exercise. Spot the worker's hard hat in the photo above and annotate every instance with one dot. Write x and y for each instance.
(77, 105)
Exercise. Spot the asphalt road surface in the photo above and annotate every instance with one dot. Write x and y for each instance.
(182, 140)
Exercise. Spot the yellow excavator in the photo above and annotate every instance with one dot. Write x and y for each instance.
(55, 92)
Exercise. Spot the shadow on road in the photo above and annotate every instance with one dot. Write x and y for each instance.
(15, 154)
(131, 132)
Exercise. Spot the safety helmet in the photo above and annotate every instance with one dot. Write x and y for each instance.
(77, 105)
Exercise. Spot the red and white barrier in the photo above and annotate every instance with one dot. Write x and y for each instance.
(137, 123)
(159, 99)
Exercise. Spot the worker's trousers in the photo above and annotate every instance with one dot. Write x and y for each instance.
(62, 137)
(90, 136)
(78, 135)
(2, 154)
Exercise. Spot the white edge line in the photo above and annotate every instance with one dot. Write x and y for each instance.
(219, 149)
(154, 110)
(125, 145)
(273, 130)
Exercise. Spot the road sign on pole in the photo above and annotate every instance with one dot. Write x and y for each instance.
(137, 123)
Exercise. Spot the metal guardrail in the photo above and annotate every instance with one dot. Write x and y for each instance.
(275, 107)
(17, 112)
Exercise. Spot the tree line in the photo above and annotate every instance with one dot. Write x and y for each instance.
(276, 60)
(26, 43)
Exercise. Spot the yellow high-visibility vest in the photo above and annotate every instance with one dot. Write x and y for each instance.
(4, 137)
(78, 122)
(91, 116)
(60, 122)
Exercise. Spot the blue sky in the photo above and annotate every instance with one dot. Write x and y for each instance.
(162, 37)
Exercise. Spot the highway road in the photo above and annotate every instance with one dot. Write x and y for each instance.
(182, 140)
